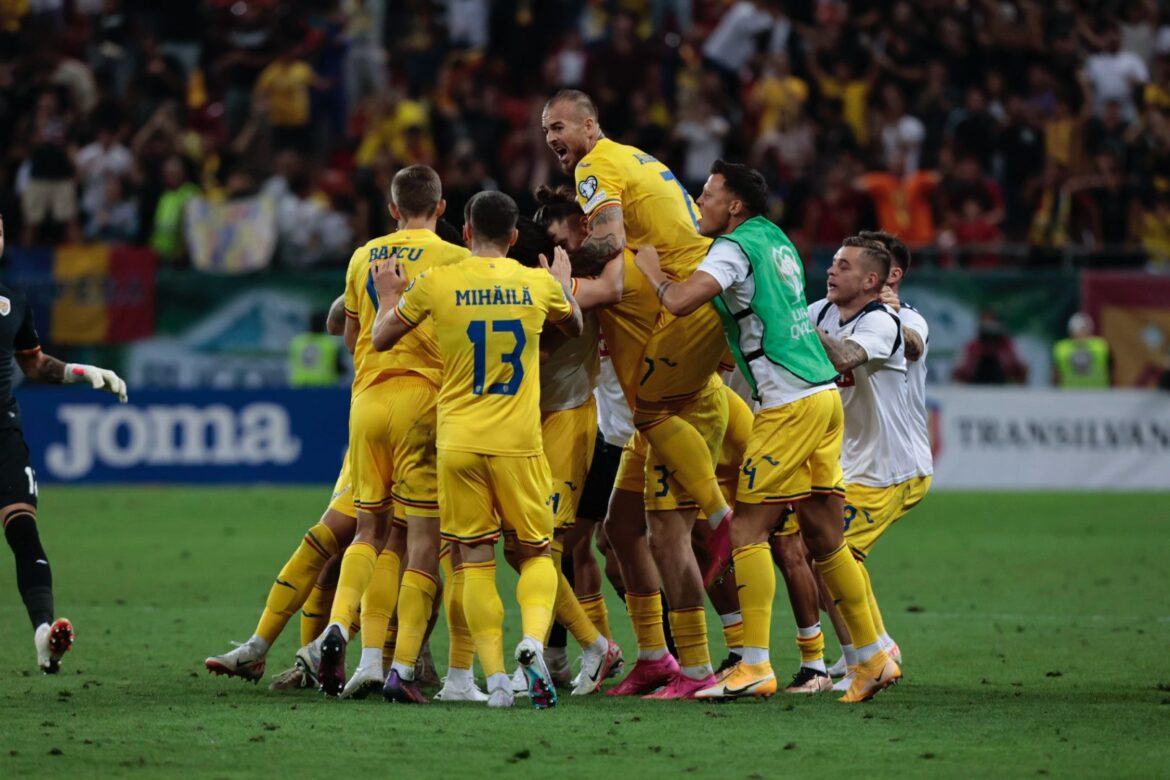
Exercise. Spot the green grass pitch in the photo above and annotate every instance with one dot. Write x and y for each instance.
(1035, 629)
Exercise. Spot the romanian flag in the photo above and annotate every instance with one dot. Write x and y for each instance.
(1132, 312)
(87, 294)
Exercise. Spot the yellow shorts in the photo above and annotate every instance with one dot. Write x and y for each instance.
(392, 446)
(680, 357)
(735, 439)
(870, 511)
(569, 438)
(342, 500)
(708, 414)
(794, 451)
(475, 490)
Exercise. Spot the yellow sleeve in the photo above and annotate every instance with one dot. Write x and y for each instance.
(265, 78)
(559, 308)
(599, 183)
(415, 304)
(353, 285)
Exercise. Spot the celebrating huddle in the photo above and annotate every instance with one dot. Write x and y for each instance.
(471, 421)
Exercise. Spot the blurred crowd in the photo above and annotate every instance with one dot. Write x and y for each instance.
(984, 132)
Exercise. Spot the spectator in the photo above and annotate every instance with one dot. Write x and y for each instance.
(1155, 232)
(732, 43)
(845, 85)
(285, 86)
(1113, 73)
(166, 236)
(777, 97)
(1108, 133)
(702, 132)
(1019, 163)
(990, 358)
(900, 133)
(902, 200)
(49, 193)
(972, 130)
(1109, 201)
(105, 156)
(116, 218)
(1082, 361)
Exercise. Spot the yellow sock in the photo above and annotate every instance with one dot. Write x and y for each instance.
(357, 569)
(733, 632)
(812, 648)
(379, 600)
(598, 612)
(689, 628)
(876, 614)
(757, 590)
(682, 448)
(389, 645)
(460, 646)
(646, 615)
(569, 612)
(485, 614)
(842, 577)
(295, 581)
(414, 612)
(536, 591)
(315, 614)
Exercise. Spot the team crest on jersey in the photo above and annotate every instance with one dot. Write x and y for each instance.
(587, 187)
(5, 306)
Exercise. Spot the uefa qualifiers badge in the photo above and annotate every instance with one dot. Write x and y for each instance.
(5, 306)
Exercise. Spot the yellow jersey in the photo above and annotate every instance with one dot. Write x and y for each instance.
(656, 209)
(626, 327)
(488, 313)
(417, 352)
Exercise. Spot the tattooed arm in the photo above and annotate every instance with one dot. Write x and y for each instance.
(607, 238)
(845, 355)
(40, 367)
(913, 342)
(335, 322)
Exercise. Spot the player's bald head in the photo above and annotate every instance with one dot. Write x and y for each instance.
(576, 101)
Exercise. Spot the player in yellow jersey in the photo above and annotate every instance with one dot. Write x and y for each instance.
(568, 427)
(630, 198)
(488, 313)
(392, 429)
(295, 585)
(627, 317)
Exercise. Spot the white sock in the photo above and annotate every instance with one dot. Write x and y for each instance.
(651, 655)
(810, 632)
(731, 618)
(850, 652)
(818, 665)
(884, 640)
(866, 652)
(460, 676)
(404, 671)
(599, 645)
(344, 630)
(537, 642)
(499, 680)
(715, 519)
(700, 672)
(753, 655)
(258, 643)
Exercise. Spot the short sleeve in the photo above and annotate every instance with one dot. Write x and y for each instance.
(353, 285)
(877, 333)
(725, 263)
(814, 309)
(26, 340)
(415, 304)
(599, 183)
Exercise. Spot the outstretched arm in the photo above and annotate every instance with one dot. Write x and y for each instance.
(607, 238)
(845, 355)
(40, 367)
(389, 283)
(679, 298)
(605, 289)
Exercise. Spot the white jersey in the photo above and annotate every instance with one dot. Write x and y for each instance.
(614, 419)
(727, 264)
(568, 377)
(916, 387)
(878, 450)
